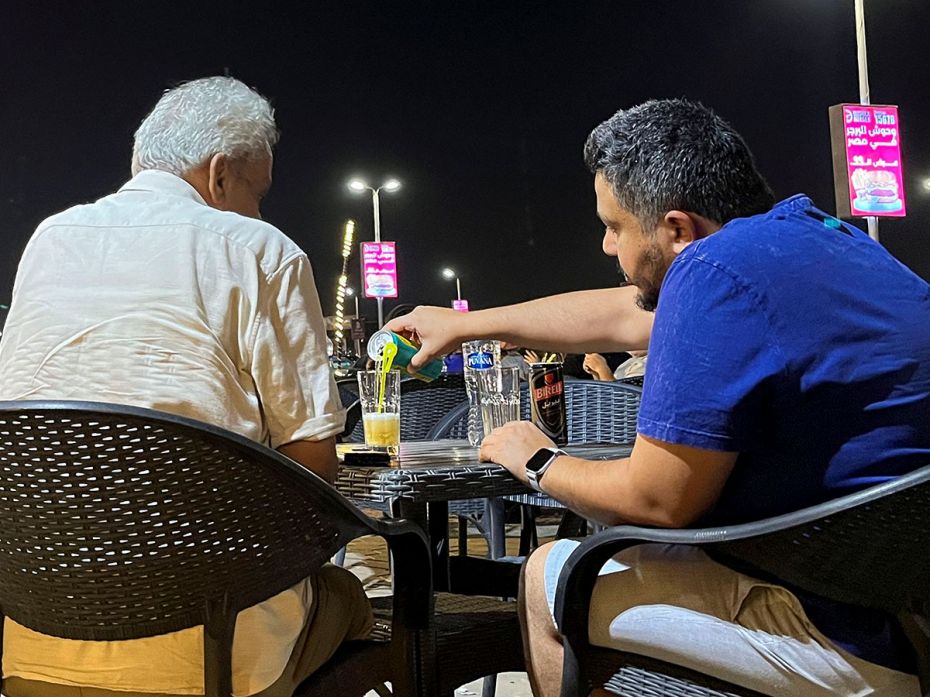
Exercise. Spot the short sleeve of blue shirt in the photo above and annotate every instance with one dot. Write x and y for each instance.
(712, 358)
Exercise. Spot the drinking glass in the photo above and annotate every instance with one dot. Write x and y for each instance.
(499, 395)
(478, 356)
(381, 419)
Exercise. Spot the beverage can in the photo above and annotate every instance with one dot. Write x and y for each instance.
(406, 350)
(547, 401)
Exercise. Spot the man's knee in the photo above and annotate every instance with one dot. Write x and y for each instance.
(341, 598)
(533, 598)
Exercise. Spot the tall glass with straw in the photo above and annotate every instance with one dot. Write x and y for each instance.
(379, 394)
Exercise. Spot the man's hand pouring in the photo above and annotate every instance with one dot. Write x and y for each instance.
(438, 330)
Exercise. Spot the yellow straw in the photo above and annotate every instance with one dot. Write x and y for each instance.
(387, 360)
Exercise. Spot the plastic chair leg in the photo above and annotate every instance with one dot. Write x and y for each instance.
(463, 536)
(497, 536)
(529, 538)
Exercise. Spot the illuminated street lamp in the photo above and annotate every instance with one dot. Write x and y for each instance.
(927, 184)
(358, 186)
(449, 274)
(350, 293)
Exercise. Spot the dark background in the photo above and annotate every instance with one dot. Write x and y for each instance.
(480, 108)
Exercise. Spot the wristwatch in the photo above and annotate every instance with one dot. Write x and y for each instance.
(538, 464)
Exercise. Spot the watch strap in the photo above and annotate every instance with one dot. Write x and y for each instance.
(533, 476)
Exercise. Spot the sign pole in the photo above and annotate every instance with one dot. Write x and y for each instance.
(864, 96)
(358, 342)
(376, 205)
(379, 272)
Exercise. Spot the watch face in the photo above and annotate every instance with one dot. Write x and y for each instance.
(539, 459)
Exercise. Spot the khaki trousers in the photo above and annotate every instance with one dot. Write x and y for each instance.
(340, 612)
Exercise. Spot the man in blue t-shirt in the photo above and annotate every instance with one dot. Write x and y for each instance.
(789, 363)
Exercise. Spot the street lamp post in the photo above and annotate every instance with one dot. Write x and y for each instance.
(358, 186)
(350, 292)
(864, 96)
(449, 274)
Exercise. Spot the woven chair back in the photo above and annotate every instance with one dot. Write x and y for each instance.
(348, 391)
(118, 523)
(598, 412)
(601, 412)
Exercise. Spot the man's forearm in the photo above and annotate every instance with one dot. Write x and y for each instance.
(660, 484)
(317, 456)
(589, 488)
(579, 322)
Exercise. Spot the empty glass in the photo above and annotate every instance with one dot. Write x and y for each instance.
(499, 395)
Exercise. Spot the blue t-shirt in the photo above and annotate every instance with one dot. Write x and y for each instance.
(800, 343)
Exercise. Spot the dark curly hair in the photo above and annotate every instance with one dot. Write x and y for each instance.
(673, 154)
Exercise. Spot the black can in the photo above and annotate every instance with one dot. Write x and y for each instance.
(547, 401)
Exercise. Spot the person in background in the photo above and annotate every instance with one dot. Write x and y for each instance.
(173, 294)
(596, 365)
(789, 363)
(573, 366)
(515, 357)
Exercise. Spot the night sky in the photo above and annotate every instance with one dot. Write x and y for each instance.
(479, 108)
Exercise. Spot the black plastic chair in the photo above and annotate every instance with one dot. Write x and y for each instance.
(598, 412)
(348, 391)
(159, 523)
(867, 549)
(348, 395)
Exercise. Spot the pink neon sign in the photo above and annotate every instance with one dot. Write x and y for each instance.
(874, 180)
(379, 269)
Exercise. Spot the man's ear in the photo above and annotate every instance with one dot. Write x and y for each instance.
(681, 230)
(218, 180)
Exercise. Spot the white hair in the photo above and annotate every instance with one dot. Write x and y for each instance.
(199, 119)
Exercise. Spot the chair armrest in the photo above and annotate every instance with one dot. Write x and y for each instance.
(578, 576)
(411, 570)
(740, 542)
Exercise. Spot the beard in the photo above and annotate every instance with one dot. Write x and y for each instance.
(650, 273)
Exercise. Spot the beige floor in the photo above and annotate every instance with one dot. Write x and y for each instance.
(367, 559)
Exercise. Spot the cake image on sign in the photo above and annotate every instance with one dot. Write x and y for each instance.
(380, 283)
(876, 190)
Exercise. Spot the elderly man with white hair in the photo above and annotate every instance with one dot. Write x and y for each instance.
(172, 294)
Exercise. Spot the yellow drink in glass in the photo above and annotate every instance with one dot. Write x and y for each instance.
(382, 430)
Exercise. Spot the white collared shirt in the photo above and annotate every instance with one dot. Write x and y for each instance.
(151, 298)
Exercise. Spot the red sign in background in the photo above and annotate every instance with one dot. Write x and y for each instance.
(379, 269)
(867, 160)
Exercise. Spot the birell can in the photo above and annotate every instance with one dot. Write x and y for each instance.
(405, 351)
(547, 400)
